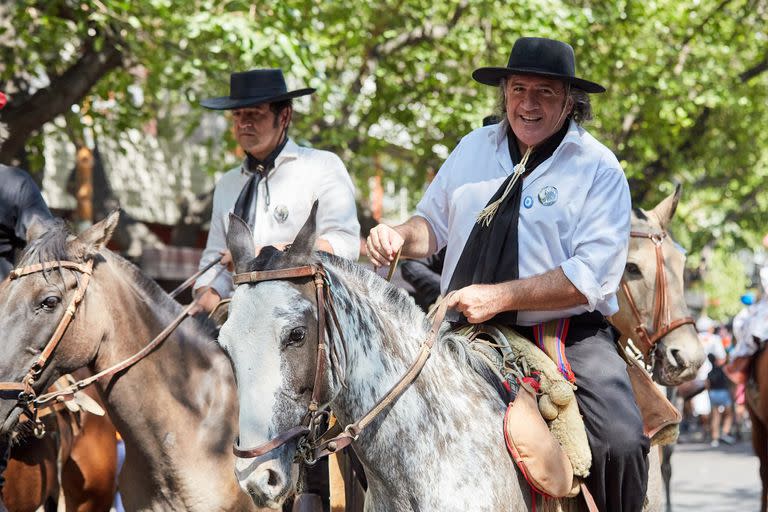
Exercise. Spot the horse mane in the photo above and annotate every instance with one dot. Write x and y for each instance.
(364, 283)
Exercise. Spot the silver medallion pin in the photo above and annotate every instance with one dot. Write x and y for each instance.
(280, 213)
(548, 196)
(528, 201)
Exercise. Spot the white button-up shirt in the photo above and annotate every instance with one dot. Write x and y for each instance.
(283, 201)
(574, 213)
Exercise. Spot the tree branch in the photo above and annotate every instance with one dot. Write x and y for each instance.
(64, 91)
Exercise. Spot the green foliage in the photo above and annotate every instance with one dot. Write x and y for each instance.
(686, 100)
(723, 284)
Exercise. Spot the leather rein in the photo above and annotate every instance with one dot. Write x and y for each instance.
(27, 398)
(662, 323)
(312, 445)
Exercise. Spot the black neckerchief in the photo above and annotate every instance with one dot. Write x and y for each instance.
(490, 254)
(246, 201)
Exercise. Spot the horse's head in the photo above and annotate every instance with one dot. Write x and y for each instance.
(652, 308)
(41, 308)
(271, 337)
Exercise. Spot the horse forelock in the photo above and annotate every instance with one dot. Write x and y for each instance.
(51, 245)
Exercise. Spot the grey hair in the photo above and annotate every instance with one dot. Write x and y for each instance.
(582, 106)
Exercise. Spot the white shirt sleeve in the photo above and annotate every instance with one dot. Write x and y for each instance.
(434, 206)
(601, 238)
(216, 243)
(337, 220)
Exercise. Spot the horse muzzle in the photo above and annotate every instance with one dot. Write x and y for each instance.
(675, 363)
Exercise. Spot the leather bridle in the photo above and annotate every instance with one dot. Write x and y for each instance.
(27, 394)
(27, 398)
(313, 445)
(645, 339)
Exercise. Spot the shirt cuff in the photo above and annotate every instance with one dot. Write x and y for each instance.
(579, 274)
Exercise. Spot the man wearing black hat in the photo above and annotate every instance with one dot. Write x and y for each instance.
(534, 214)
(274, 187)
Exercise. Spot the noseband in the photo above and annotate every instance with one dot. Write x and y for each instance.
(27, 394)
(662, 322)
(312, 445)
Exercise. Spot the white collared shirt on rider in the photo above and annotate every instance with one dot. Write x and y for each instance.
(574, 212)
(283, 202)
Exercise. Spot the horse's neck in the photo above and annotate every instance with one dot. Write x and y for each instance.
(175, 406)
(433, 424)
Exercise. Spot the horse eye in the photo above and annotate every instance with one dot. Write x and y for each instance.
(633, 269)
(297, 334)
(50, 302)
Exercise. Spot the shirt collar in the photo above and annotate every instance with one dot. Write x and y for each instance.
(289, 152)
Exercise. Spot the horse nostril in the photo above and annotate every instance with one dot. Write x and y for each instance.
(674, 358)
(273, 478)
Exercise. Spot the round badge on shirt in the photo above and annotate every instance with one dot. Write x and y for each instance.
(280, 213)
(548, 196)
(528, 201)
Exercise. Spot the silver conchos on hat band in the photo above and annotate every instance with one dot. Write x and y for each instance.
(280, 213)
(548, 196)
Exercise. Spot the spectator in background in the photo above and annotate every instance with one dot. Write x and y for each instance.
(719, 387)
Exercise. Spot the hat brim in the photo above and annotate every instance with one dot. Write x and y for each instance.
(492, 76)
(228, 103)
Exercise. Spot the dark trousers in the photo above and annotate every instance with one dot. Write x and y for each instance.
(618, 479)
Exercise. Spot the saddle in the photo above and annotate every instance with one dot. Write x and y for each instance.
(543, 428)
(540, 386)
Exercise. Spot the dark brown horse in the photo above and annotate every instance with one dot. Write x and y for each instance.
(757, 405)
(175, 408)
(76, 458)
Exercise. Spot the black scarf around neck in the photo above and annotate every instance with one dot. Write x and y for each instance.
(245, 206)
(490, 254)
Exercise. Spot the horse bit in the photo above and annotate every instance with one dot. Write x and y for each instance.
(662, 323)
(312, 445)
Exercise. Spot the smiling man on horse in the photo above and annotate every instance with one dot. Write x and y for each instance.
(535, 215)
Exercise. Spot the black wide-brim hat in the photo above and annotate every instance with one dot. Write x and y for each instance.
(542, 57)
(251, 88)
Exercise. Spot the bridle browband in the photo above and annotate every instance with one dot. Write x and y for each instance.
(311, 445)
(662, 322)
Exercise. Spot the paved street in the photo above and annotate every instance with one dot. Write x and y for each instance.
(723, 479)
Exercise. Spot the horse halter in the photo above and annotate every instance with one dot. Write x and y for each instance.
(662, 322)
(26, 390)
(310, 422)
(27, 398)
(312, 446)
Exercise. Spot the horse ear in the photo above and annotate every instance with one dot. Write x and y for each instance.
(97, 236)
(240, 241)
(304, 242)
(666, 208)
